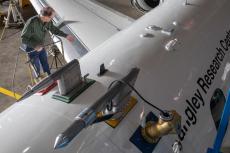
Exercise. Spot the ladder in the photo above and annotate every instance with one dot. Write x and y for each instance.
(17, 17)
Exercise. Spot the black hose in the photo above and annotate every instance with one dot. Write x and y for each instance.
(147, 102)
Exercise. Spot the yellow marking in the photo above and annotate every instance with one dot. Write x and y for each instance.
(10, 93)
(114, 122)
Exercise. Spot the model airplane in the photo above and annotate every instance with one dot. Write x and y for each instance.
(174, 57)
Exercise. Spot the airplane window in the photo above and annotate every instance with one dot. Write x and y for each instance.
(217, 105)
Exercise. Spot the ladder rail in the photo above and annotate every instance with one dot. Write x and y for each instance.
(17, 17)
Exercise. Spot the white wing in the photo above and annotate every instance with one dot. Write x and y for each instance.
(89, 21)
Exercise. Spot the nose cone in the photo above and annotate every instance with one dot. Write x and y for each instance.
(72, 131)
(61, 141)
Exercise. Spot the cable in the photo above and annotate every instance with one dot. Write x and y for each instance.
(15, 67)
(147, 102)
(44, 46)
(16, 64)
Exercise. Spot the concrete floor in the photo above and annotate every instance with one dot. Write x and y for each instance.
(9, 50)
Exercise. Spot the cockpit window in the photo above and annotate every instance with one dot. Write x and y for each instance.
(217, 105)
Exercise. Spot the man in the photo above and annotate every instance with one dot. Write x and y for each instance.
(33, 35)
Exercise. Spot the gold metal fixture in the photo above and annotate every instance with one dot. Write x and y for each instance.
(168, 123)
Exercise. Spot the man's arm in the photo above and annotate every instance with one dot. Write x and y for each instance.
(54, 30)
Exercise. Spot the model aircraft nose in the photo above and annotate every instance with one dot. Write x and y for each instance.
(61, 141)
(64, 138)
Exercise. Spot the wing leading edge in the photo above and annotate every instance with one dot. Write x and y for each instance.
(91, 23)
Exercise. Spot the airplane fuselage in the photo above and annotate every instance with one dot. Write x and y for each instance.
(182, 61)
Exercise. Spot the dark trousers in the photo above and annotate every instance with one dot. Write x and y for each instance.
(39, 58)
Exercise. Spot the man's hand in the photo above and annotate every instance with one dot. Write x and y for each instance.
(38, 48)
(70, 38)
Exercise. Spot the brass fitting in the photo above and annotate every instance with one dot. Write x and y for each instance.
(167, 124)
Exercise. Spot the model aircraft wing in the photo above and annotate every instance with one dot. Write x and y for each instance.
(90, 22)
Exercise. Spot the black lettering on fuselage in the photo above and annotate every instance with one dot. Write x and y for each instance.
(199, 96)
(209, 72)
(190, 115)
(223, 45)
(181, 135)
(204, 83)
(204, 86)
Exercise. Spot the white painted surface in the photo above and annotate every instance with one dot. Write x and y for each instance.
(167, 79)
(90, 22)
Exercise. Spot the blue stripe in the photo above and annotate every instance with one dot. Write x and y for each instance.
(222, 127)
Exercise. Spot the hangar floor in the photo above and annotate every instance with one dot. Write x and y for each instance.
(9, 49)
(13, 64)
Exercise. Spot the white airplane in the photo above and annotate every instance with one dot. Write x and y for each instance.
(176, 56)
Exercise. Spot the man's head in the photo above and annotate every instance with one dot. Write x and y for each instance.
(47, 14)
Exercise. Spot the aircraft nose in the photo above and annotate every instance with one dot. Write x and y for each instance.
(61, 141)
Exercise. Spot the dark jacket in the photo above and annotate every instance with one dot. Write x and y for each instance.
(34, 31)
